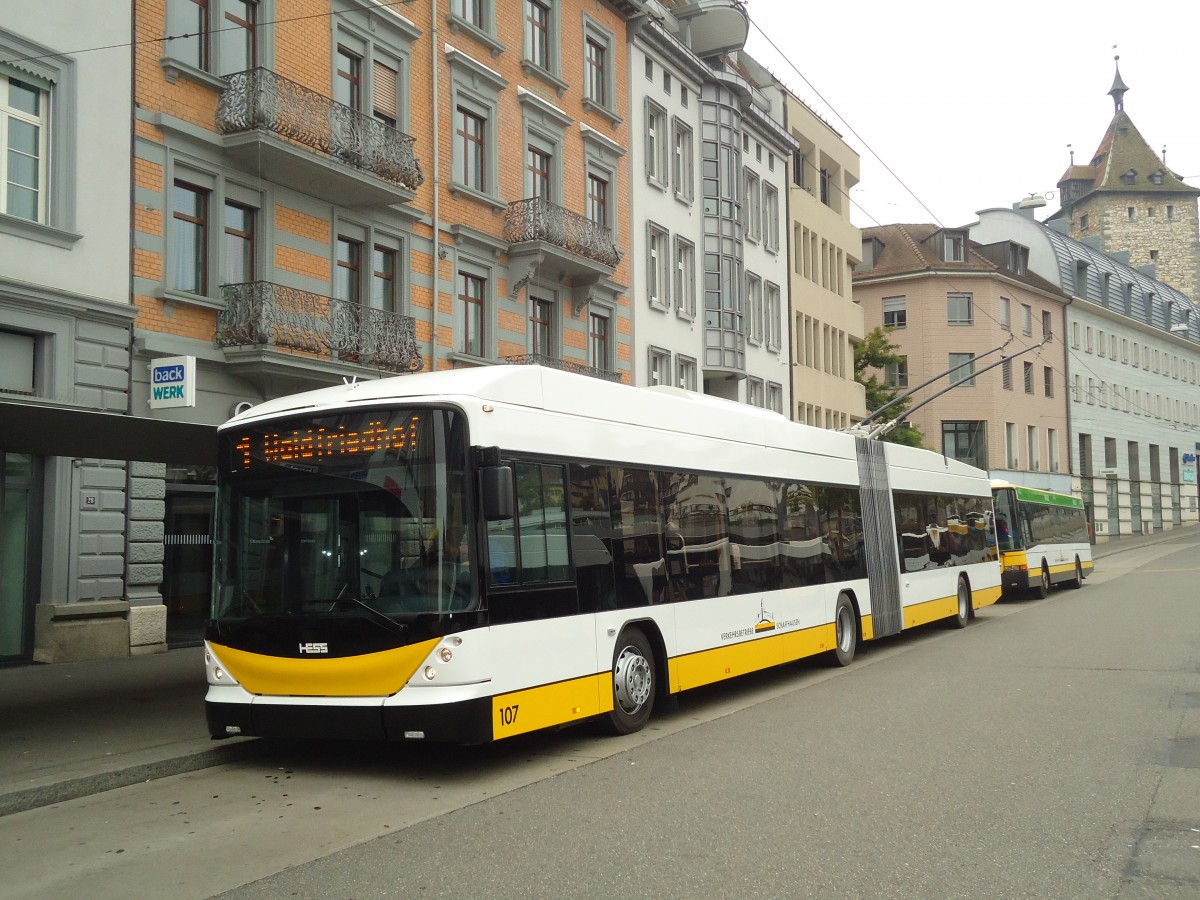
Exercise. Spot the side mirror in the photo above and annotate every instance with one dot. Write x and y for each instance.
(496, 492)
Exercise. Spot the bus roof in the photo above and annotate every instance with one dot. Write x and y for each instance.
(539, 409)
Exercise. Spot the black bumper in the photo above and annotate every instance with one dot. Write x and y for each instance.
(469, 722)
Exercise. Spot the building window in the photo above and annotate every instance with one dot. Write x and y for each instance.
(1006, 374)
(660, 366)
(383, 278)
(538, 166)
(1028, 368)
(657, 261)
(1032, 451)
(18, 363)
(954, 247)
(775, 397)
(347, 284)
(541, 327)
(756, 394)
(771, 218)
(237, 257)
(683, 166)
(1026, 319)
(895, 312)
(470, 304)
(23, 137)
(597, 199)
(537, 33)
(469, 138)
(347, 84)
(774, 323)
(1018, 258)
(1048, 381)
(959, 309)
(963, 365)
(1005, 314)
(598, 68)
(751, 206)
(966, 441)
(657, 151)
(189, 229)
(1052, 448)
(1010, 445)
(598, 349)
(471, 12)
(238, 47)
(754, 300)
(1047, 323)
(895, 374)
(685, 278)
(685, 372)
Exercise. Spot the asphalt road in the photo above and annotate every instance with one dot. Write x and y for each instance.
(1052, 749)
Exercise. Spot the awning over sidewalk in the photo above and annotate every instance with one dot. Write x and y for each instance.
(61, 431)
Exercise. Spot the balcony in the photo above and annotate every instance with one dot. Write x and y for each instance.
(557, 244)
(262, 318)
(271, 125)
(563, 365)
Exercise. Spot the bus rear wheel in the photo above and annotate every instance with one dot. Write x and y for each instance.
(962, 611)
(845, 624)
(1041, 590)
(633, 683)
(1077, 581)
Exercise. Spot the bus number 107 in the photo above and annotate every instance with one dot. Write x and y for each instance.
(508, 714)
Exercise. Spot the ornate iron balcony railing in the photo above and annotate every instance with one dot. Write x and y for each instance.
(261, 314)
(565, 365)
(260, 99)
(535, 219)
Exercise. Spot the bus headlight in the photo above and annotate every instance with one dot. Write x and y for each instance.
(445, 654)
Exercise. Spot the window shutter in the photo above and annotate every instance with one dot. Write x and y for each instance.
(384, 87)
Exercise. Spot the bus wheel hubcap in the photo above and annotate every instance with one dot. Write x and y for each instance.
(631, 677)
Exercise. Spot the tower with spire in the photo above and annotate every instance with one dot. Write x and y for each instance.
(1127, 199)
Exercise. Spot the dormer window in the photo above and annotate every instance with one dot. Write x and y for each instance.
(1130, 177)
(872, 249)
(954, 247)
(1156, 177)
(1018, 259)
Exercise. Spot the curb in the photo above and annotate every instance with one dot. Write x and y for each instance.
(26, 799)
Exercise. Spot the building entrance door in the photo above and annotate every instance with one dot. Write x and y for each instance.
(18, 512)
(187, 565)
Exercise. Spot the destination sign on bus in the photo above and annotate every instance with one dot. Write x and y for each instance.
(344, 439)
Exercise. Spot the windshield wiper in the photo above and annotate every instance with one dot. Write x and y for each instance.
(374, 615)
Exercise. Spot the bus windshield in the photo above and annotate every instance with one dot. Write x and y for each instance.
(357, 513)
(1008, 524)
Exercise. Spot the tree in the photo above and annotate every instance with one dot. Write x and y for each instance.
(876, 352)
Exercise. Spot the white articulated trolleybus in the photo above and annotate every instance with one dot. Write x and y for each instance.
(469, 555)
(1043, 539)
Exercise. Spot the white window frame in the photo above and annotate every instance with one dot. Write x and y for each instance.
(665, 373)
(770, 217)
(752, 205)
(970, 301)
(754, 309)
(773, 298)
(656, 147)
(683, 155)
(10, 115)
(684, 273)
(658, 254)
(685, 372)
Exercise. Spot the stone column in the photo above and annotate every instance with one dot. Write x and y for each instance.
(144, 566)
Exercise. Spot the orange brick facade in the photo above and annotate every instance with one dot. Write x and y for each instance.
(295, 233)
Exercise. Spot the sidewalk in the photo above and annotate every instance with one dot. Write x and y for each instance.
(73, 729)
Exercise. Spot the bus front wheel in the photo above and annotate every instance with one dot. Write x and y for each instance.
(1041, 590)
(633, 683)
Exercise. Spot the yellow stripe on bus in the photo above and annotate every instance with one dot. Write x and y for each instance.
(709, 666)
(369, 675)
(985, 596)
(551, 704)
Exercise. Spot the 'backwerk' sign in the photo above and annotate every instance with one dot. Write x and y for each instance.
(173, 382)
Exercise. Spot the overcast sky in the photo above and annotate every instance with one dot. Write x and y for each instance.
(972, 105)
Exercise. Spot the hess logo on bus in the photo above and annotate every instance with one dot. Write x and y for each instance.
(312, 648)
